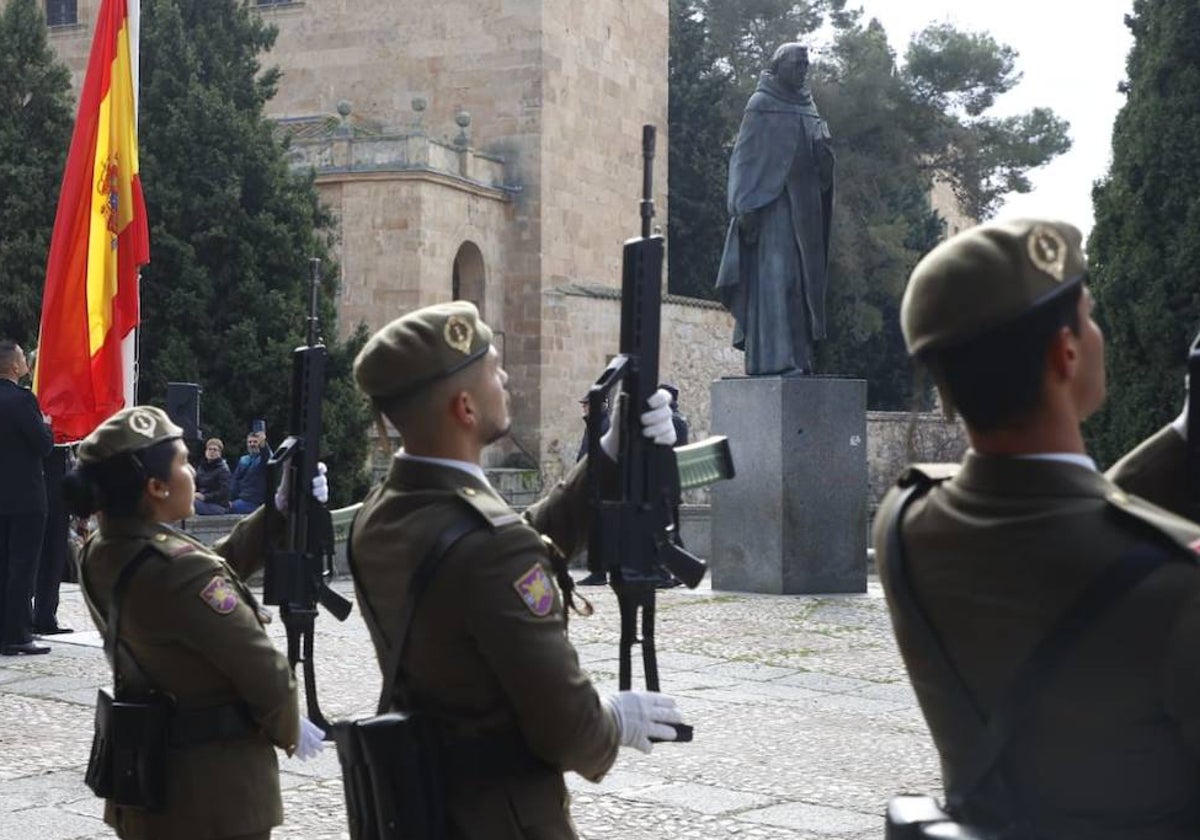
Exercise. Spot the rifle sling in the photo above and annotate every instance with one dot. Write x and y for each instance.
(187, 726)
(419, 582)
(995, 731)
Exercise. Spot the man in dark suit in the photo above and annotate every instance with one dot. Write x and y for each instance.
(52, 567)
(25, 440)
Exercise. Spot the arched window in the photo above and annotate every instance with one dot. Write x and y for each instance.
(468, 275)
(61, 13)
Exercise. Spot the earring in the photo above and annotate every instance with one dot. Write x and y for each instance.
(166, 493)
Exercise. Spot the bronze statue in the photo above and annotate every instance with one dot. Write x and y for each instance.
(773, 271)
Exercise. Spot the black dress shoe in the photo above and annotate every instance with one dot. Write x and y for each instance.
(52, 630)
(595, 579)
(25, 649)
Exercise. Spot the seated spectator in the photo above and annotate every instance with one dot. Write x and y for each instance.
(213, 480)
(249, 487)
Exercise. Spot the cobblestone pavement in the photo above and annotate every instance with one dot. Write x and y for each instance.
(804, 724)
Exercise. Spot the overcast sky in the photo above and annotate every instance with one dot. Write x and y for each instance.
(1071, 56)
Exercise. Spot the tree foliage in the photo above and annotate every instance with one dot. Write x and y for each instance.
(1144, 251)
(225, 296)
(699, 159)
(896, 127)
(35, 129)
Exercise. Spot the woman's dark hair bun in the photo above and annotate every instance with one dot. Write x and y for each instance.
(80, 493)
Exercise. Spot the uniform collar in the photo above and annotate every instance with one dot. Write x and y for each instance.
(1062, 457)
(132, 526)
(1029, 477)
(452, 463)
(435, 473)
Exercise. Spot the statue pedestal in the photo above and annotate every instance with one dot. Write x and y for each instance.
(794, 519)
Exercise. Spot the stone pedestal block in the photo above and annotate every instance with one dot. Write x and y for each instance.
(793, 520)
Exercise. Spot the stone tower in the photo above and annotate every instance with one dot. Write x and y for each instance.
(485, 148)
(555, 89)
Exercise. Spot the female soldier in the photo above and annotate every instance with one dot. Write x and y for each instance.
(190, 629)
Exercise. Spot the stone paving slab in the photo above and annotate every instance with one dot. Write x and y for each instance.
(804, 724)
(818, 819)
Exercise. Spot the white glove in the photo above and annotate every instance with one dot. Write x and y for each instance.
(642, 715)
(656, 425)
(320, 488)
(312, 740)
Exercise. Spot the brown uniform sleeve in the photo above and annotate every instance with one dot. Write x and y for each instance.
(235, 644)
(1156, 470)
(243, 548)
(564, 514)
(559, 713)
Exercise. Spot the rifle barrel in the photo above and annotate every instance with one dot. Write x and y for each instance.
(648, 134)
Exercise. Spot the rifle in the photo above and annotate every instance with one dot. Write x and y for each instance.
(634, 534)
(295, 578)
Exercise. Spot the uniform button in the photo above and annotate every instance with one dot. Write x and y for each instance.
(470, 491)
(160, 537)
(1117, 497)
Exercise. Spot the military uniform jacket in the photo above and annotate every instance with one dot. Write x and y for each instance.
(192, 628)
(995, 555)
(1157, 471)
(488, 651)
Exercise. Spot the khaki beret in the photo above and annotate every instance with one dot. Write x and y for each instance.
(129, 430)
(421, 348)
(986, 277)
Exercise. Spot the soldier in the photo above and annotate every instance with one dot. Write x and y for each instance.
(191, 630)
(1102, 740)
(488, 657)
(1157, 470)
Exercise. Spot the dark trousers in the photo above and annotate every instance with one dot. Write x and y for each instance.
(51, 568)
(20, 546)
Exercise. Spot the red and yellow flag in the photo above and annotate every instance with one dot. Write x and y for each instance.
(100, 238)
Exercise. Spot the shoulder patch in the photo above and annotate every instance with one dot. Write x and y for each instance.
(220, 595)
(536, 590)
(490, 506)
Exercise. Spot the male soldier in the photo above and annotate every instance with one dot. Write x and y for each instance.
(1157, 470)
(1001, 549)
(487, 654)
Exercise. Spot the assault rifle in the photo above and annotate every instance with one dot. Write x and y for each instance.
(295, 578)
(634, 533)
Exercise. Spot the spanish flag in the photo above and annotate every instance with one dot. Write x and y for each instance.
(100, 238)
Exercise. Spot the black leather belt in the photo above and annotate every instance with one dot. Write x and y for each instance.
(213, 723)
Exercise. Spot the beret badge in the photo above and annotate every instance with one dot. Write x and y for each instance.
(1048, 251)
(143, 423)
(459, 333)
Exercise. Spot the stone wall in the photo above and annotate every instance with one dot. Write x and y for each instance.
(398, 237)
(898, 438)
(694, 351)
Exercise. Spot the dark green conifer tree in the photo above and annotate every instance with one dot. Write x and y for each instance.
(35, 130)
(1144, 251)
(225, 295)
